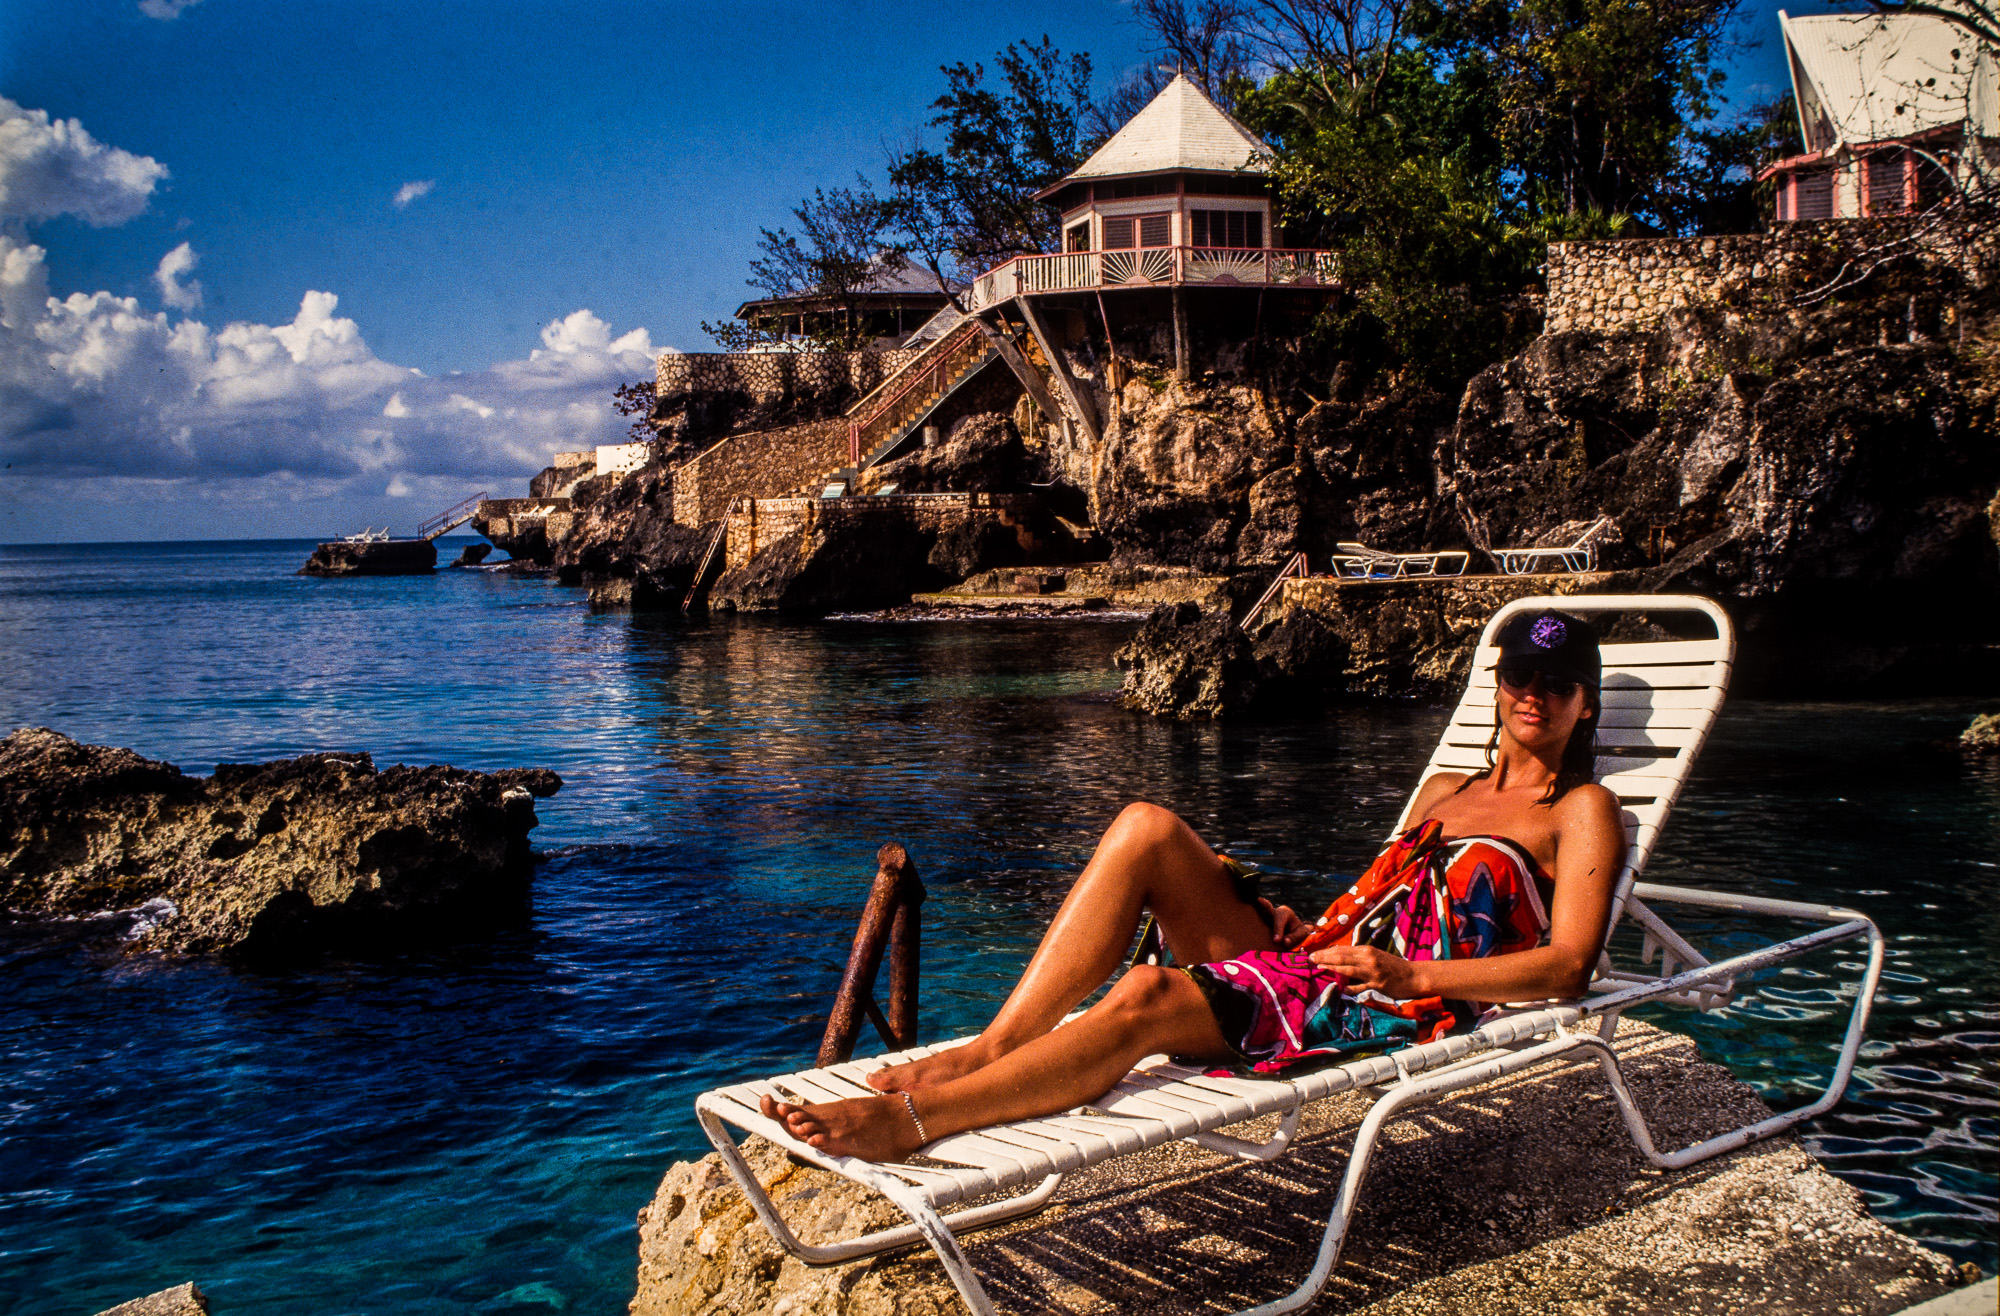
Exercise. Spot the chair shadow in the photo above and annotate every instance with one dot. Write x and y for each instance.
(1492, 1172)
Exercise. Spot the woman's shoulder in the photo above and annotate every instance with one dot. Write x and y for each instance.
(1588, 806)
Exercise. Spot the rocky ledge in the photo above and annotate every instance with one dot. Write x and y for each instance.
(1522, 1196)
(317, 852)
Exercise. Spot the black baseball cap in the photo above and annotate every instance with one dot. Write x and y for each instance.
(1553, 643)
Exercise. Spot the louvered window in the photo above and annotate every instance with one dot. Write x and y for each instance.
(1227, 228)
(1117, 233)
(1812, 195)
(1156, 230)
(1885, 172)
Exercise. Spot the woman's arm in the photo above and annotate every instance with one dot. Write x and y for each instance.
(1590, 847)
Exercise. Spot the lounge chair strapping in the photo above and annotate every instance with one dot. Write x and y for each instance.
(1660, 700)
(1579, 555)
(1360, 562)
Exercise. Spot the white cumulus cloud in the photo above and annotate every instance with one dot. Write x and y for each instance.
(176, 289)
(409, 192)
(51, 167)
(98, 394)
(165, 10)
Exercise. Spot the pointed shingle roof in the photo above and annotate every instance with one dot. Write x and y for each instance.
(1179, 129)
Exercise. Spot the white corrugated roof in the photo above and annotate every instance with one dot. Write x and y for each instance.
(1179, 129)
(1866, 77)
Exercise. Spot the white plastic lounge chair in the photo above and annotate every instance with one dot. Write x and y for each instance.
(1579, 555)
(1659, 701)
(1360, 562)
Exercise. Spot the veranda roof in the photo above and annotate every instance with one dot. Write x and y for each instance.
(1873, 77)
(1180, 128)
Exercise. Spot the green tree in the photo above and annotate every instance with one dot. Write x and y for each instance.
(1596, 97)
(840, 242)
(967, 207)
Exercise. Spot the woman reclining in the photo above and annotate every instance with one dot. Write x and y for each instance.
(1536, 846)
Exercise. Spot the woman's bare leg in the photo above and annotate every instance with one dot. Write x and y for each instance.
(1151, 1010)
(1147, 859)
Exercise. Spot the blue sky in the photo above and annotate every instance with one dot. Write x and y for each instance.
(609, 158)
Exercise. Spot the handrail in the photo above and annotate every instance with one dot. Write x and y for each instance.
(1296, 566)
(1073, 271)
(714, 542)
(451, 518)
(890, 919)
(933, 372)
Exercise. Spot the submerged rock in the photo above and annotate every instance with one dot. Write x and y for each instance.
(320, 851)
(181, 1300)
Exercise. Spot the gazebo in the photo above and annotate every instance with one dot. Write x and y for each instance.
(1177, 202)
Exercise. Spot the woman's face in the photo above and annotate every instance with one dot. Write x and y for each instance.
(1534, 714)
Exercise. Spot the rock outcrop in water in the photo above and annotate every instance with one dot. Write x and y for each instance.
(1526, 1196)
(624, 544)
(261, 860)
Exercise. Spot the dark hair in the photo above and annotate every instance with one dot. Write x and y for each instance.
(1579, 760)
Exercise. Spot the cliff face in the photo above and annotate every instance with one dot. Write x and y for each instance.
(1837, 492)
(625, 544)
(1829, 473)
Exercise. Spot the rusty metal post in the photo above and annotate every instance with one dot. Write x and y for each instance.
(906, 946)
(893, 876)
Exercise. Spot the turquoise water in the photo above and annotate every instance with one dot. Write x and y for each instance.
(472, 1129)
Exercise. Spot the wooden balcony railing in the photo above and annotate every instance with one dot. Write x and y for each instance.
(1158, 267)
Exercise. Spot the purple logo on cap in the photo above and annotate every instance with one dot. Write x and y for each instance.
(1547, 632)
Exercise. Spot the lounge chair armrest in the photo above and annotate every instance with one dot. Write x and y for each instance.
(1683, 895)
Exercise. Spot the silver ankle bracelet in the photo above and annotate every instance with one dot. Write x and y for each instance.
(923, 1137)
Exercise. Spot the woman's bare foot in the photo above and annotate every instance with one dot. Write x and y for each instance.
(948, 1064)
(872, 1128)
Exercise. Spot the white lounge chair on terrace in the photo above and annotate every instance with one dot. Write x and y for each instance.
(1659, 701)
(1579, 555)
(1360, 562)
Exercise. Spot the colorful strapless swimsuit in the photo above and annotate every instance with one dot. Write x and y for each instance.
(1424, 898)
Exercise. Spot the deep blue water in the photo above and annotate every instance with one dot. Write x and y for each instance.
(473, 1129)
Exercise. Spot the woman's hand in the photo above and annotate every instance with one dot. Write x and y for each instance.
(1287, 928)
(1364, 967)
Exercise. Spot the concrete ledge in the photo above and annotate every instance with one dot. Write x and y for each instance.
(1524, 1196)
(1974, 1300)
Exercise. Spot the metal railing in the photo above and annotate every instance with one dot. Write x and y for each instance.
(451, 518)
(1254, 267)
(890, 920)
(928, 374)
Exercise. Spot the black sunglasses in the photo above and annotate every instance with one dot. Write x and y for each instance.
(1519, 680)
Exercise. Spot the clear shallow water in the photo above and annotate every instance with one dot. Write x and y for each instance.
(473, 1129)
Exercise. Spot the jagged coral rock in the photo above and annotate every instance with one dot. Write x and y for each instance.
(320, 850)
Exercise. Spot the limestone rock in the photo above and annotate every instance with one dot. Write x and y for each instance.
(260, 860)
(182, 1300)
(1188, 663)
(372, 557)
(981, 453)
(625, 531)
(702, 1252)
(840, 563)
(1983, 736)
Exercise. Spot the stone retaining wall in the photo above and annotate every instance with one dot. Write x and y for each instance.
(764, 521)
(773, 374)
(764, 464)
(1625, 283)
